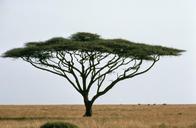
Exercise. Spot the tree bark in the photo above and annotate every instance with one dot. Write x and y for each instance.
(88, 108)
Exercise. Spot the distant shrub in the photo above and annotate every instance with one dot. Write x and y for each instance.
(58, 125)
(163, 125)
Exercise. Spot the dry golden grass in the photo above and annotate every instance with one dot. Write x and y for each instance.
(105, 116)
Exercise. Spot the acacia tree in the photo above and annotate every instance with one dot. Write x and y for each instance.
(92, 65)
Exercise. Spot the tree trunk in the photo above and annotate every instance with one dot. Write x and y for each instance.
(88, 106)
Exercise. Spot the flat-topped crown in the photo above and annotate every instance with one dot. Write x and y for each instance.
(84, 36)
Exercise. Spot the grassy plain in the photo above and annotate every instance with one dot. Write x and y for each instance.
(105, 116)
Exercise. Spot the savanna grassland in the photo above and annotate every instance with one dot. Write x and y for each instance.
(105, 116)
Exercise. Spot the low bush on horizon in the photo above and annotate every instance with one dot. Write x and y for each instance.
(58, 125)
(163, 125)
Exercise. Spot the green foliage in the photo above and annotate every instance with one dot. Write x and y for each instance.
(86, 42)
(58, 125)
(163, 125)
(84, 36)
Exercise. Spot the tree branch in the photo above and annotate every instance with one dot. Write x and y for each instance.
(35, 64)
(123, 78)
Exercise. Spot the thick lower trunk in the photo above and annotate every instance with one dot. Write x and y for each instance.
(88, 106)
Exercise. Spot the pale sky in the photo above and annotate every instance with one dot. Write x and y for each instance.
(169, 23)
